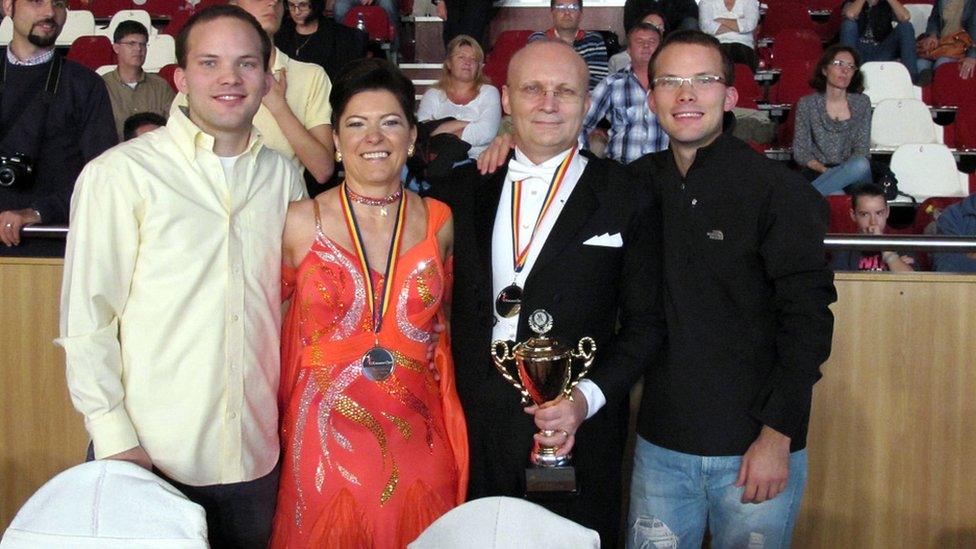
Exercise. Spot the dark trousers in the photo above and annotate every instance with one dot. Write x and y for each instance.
(239, 515)
(469, 17)
(742, 54)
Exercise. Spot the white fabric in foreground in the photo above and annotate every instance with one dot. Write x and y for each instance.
(106, 504)
(502, 522)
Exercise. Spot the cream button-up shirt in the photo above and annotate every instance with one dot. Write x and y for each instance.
(170, 306)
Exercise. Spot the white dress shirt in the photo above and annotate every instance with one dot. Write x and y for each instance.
(503, 269)
(745, 13)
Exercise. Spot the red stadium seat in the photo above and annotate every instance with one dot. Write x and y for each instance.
(507, 43)
(92, 51)
(167, 73)
(176, 22)
(748, 88)
(163, 8)
(828, 29)
(378, 24)
(794, 81)
(840, 215)
(948, 89)
(796, 45)
(783, 16)
(105, 9)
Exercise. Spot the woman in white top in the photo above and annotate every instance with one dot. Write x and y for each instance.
(733, 22)
(463, 93)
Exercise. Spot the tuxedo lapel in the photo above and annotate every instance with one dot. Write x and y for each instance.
(575, 213)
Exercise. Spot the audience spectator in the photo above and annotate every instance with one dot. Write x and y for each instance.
(131, 89)
(470, 17)
(947, 19)
(566, 16)
(621, 60)
(733, 23)
(55, 115)
(141, 123)
(342, 7)
(678, 14)
(622, 96)
(294, 118)
(467, 106)
(957, 220)
(308, 35)
(831, 141)
(867, 27)
(869, 210)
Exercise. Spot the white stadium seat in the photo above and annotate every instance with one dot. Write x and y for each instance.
(926, 170)
(920, 16)
(105, 69)
(141, 16)
(888, 80)
(6, 31)
(161, 52)
(78, 23)
(900, 121)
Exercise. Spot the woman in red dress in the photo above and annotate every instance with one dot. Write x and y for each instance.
(374, 441)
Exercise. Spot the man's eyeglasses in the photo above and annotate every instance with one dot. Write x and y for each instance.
(567, 7)
(298, 6)
(563, 94)
(134, 44)
(840, 64)
(697, 82)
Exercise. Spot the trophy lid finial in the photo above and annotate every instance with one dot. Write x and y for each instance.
(540, 321)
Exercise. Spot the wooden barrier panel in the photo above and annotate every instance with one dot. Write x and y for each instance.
(892, 439)
(892, 443)
(40, 433)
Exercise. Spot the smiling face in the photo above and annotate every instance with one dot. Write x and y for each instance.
(36, 22)
(224, 79)
(547, 96)
(373, 136)
(691, 116)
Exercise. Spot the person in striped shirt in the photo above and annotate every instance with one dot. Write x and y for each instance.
(566, 16)
(621, 98)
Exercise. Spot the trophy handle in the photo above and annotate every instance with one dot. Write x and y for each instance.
(586, 351)
(499, 360)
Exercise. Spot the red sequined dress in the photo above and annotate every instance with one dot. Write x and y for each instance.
(366, 463)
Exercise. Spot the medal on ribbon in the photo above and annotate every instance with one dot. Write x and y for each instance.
(378, 362)
(508, 303)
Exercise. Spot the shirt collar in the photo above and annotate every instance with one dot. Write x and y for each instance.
(553, 162)
(38, 59)
(189, 137)
(118, 78)
(551, 33)
(280, 61)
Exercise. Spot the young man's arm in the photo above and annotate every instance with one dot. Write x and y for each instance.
(313, 145)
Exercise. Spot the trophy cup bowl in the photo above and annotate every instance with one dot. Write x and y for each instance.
(541, 370)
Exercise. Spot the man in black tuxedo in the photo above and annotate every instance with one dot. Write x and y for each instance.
(591, 261)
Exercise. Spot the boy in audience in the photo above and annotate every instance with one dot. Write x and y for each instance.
(131, 89)
(869, 210)
(141, 123)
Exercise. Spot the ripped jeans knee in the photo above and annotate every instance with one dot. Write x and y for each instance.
(652, 533)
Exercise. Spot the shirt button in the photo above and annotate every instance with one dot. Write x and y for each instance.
(525, 225)
(233, 415)
(534, 193)
(236, 318)
(694, 201)
(237, 269)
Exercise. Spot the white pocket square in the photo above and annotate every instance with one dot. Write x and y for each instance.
(606, 240)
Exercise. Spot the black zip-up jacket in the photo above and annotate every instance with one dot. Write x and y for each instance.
(746, 297)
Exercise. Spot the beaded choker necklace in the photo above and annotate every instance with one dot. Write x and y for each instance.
(370, 201)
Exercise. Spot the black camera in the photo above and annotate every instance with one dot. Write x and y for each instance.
(16, 171)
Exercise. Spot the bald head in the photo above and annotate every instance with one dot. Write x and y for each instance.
(536, 55)
(547, 96)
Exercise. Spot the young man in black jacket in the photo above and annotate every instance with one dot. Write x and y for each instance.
(723, 422)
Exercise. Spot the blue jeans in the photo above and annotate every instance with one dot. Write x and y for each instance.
(928, 64)
(857, 169)
(674, 496)
(899, 44)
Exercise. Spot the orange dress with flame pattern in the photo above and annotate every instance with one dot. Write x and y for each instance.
(366, 464)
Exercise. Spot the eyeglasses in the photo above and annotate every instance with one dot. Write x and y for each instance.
(697, 82)
(563, 94)
(843, 65)
(298, 6)
(567, 7)
(134, 44)
(649, 43)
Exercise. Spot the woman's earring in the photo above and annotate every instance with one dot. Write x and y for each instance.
(410, 150)
(338, 155)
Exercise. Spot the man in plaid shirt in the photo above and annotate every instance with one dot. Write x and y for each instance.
(622, 98)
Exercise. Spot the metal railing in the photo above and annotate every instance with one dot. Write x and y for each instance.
(901, 243)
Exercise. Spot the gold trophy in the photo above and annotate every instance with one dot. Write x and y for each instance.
(543, 372)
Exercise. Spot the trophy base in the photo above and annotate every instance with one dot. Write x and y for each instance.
(550, 481)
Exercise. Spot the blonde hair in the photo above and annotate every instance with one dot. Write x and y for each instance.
(455, 44)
